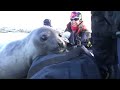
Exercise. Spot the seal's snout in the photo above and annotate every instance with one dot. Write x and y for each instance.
(60, 44)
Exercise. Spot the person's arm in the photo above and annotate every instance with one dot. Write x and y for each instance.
(68, 28)
(83, 31)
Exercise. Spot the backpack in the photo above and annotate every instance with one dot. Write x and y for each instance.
(75, 64)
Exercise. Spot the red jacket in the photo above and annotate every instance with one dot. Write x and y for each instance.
(81, 27)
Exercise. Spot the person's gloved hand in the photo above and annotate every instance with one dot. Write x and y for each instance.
(118, 34)
(66, 36)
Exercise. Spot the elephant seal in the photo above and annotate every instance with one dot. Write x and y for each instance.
(17, 56)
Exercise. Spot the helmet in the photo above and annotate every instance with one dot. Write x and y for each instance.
(47, 22)
(75, 14)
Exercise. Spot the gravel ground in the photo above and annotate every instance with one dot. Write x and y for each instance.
(7, 37)
(9, 34)
(8, 29)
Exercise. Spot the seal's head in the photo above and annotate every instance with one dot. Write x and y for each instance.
(49, 40)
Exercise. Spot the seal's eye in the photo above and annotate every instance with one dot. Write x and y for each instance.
(44, 37)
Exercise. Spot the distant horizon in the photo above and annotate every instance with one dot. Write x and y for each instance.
(30, 20)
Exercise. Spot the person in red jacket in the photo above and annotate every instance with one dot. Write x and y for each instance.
(78, 30)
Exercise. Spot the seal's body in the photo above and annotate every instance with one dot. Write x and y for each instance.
(17, 56)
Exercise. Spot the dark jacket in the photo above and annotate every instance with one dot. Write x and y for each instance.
(76, 64)
(104, 26)
(82, 33)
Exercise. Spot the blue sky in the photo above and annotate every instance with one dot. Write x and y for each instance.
(34, 19)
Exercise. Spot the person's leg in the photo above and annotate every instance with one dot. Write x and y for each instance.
(102, 43)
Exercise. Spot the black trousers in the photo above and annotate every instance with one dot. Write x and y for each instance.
(104, 46)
